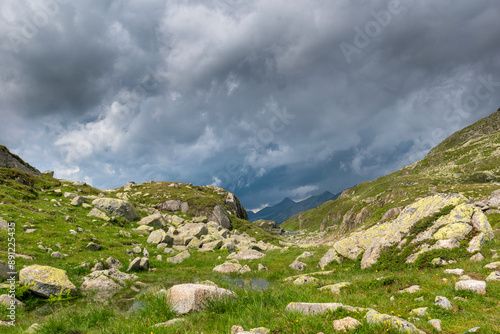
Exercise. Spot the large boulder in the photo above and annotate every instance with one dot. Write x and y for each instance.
(246, 255)
(220, 216)
(46, 281)
(160, 236)
(186, 298)
(116, 207)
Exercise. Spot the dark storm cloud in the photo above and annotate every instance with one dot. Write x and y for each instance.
(265, 98)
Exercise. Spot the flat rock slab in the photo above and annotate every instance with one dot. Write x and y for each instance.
(472, 285)
(246, 255)
(186, 298)
(46, 281)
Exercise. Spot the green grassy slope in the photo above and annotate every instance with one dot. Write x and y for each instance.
(467, 162)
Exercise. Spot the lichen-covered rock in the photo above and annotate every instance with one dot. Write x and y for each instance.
(421, 311)
(328, 258)
(78, 200)
(457, 231)
(6, 301)
(335, 288)
(139, 264)
(179, 257)
(477, 243)
(98, 214)
(494, 276)
(186, 298)
(220, 216)
(411, 289)
(303, 280)
(318, 308)
(160, 236)
(443, 302)
(155, 220)
(245, 269)
(100, 283)
(373, 317)
(116, 207)
(390, 233)
(46, 281)
(471, 285)
(194, 230)
(458, 272)
(492, 265)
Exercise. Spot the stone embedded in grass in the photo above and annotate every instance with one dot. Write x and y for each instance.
(436, 323)
(160, 236)
(494, 276)
(170, 322)
(297, 265)
(246, 255)
(3, 224)
(411, 289)
(493, 265)
(477, 257)
(328, 258)
(373, 317)
(155, 220)
(245, 269)
(92, 246)
(318, 308)
(179, 257)
(45, 281)
(78, 200)
(304, 255)
(99, 283)
(474, 330)
(443, 302)
(303, 280)
(457, 271)
(262, 268)
(7, 301)
(421, 311)
(471, 285)
(113, 263)
(344, 324)
(186, 298)
(57, 255)
(228, 267)
(335, 288)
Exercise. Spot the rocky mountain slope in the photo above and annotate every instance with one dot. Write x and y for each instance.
(288, 208)
(9, 160)
(467, 162)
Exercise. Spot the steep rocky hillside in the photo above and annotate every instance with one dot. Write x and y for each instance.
(9, 160)
(468, 163)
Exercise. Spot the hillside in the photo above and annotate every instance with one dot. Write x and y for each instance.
(288, 208)
(467, 162)
(9, 160)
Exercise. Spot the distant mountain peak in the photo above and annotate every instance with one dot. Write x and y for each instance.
(288, 208)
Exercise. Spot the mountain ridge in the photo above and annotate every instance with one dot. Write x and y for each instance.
(288, 208)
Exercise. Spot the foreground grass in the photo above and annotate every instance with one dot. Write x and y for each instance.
(256, 307)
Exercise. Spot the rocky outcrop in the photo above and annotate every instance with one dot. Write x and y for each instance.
(269, 226)
(46, 281)
(186, 298)
(9, 160)
(448, 231)
(116, 207)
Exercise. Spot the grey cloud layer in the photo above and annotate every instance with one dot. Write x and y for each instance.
(112, 91)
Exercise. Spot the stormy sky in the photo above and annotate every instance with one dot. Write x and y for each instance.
(266, 98)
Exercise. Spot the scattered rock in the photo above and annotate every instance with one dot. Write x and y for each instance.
(419, 311)
(329, 257)
(457, 272)
(335, 288)
(303, 280)
(6, 301)
(297, 265)
(92, 246)
(471, 285)
(474, 330)
(45, 281)
(494, 276)
(139, 264)
(411, 289)
(99, 283)
(373, 317)
(246, 255)
(228, 267)
(155, 220)
(236, 329)
(78, 200)
(344, 324)
(245, 269)
(179, 257)
(443, 302)
(477, 257)
(493, 265)
(262, 268)
(391, 214)
(116, 207)
(436, 323)
(113, 263)
(159, 236)
(186, 298)
(304, 255)
(318, 308)
(57, 255)
(170, 322)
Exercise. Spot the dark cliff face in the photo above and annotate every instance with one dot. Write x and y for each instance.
(9, 160)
